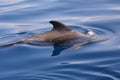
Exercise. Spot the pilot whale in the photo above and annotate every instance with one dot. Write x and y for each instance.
(61, 36)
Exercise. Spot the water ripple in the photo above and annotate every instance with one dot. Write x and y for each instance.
(7, 2)
(96, 61)
(13, 8)
(96, 18)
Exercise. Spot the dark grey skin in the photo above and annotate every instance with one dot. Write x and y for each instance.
(61, 36)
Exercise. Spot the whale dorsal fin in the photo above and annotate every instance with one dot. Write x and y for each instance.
(59, 26)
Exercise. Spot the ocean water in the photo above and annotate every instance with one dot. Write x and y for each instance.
(95, 61)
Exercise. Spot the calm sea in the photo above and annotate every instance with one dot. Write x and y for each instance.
(96, 61)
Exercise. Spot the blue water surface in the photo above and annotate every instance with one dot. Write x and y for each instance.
(96, 61)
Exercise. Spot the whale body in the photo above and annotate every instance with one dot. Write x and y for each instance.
(60, 35)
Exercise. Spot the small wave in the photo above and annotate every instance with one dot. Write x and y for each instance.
(97, 18)
(13, 8)
(8, 2)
